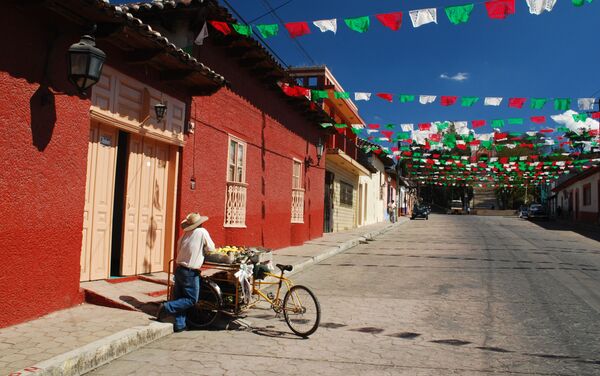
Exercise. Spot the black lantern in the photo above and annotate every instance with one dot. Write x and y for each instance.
(308, 161)
(160, 110)
(85, 63)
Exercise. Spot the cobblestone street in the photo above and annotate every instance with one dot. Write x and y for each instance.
(451, 295)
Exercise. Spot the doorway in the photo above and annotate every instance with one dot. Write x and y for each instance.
(129, 211)
(328, 207)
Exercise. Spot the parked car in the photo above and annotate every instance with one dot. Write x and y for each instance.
(523, 211)
(456, 207)
(420, 211)
(537, 211)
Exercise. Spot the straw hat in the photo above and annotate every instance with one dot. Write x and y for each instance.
(192, 221)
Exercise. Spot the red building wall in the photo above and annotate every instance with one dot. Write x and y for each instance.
(43, 152)
(275, 133)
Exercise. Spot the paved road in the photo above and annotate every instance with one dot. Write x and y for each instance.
(452, 295)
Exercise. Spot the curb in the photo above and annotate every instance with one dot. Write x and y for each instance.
(342, 247)
(102, 351)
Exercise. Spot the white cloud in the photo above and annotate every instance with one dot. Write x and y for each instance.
(566, 119)
(460, 76)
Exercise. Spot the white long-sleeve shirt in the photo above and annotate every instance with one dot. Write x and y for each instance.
(190, 248)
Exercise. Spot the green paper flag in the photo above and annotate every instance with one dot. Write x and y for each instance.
(359, 24)
(538, 103)
(243, 29)
(340, 125)
(497, 123)
(579, 3)
(562, 104)
(405, 98)
(515, 121)
(268, 30)
(342, 95)
(562, 129)
(443, 126)
(580, 117)
(486, 144)
(326, 125)
(468, 101)
(459, 14)
(356, 131)
(389, 126)
(319, 94)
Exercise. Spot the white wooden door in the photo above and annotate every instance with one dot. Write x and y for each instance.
(98, 207)
(146, 208)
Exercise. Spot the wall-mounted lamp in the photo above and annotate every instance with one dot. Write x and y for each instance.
(308, 161)
(85, 62)
(159, 111)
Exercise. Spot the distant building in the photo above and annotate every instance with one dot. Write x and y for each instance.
(578, 196)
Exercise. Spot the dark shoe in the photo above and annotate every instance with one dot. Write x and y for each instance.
(160, 312)
(178, 330)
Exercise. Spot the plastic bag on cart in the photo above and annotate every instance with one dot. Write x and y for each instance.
(244, 275)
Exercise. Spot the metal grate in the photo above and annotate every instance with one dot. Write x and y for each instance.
(297, 205)
(235, 215)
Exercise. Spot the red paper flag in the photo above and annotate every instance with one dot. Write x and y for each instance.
(478, 123)
(435, 137)
(595, 115)
(538, 119)
(499, 9)
(503, 160)
(461, 147)
(546, 130)
(223, 27)
(373, 126)
(297, 29)
(387, 134)
(294, 91)
(475, 143)
(391, 20)
(448, 100)
(388, 97)
(516, 102)
(500, 136)
(424, 126)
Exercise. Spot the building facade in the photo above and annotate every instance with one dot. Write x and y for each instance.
(578, 197)
(344, 196)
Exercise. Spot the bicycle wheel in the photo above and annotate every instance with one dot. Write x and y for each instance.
(206, 310)
(301, 310)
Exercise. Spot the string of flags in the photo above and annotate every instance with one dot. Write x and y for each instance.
(559, 104)
(458, 14)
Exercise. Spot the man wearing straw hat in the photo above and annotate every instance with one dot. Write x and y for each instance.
(191, 248)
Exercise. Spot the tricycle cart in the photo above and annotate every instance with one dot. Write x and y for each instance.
(233, 289)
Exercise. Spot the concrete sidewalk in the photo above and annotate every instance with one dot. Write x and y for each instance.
(76, 340)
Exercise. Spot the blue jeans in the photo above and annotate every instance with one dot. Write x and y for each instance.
(186, 291)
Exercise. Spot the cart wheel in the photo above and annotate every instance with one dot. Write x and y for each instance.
(206, 310)
(301, 310)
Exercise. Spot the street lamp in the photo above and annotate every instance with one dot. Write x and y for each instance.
(160, 109)
(85, 62)
(308, 161)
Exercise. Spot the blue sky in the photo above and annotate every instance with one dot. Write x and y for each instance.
(551, 55)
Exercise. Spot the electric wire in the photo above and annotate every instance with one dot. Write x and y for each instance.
(264, 43)
(296, 41)
(271, 11)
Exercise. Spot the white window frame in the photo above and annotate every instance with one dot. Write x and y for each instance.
(297, 207)
(236, 194)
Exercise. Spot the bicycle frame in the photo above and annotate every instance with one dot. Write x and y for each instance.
(259, 291)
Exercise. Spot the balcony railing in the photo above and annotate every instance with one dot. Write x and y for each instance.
(235, 215)
(297, 205)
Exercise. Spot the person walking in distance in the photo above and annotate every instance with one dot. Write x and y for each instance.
(191, 249)
(392, 211)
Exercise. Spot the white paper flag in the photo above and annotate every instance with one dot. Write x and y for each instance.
(421, 17)
(531, 134)
(326, 25)
(586, 104)
(407, 127)
(538, 6)
(426, 99)
(369, 131)
(202, 35)
(362, 96)
(357, 126)
(492, 101)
